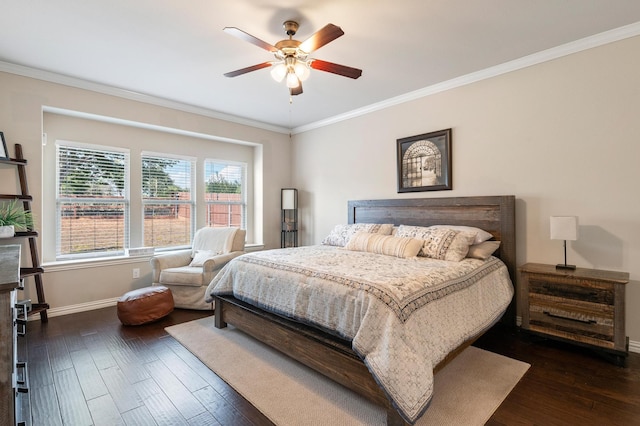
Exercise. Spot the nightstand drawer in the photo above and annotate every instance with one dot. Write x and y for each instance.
(582, 325)
(571, 289)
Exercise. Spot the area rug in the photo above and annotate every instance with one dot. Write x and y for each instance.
(466, 392)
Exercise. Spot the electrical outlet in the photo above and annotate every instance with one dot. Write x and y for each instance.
(136, 272)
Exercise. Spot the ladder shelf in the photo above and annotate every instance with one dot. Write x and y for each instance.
(35, 270)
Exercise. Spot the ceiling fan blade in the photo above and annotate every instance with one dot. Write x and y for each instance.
(247, 69)
(342, 70)
(323, 36)
(236, 32)
(296, 90)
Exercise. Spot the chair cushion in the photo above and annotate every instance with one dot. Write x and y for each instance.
(145, 305)
(217, 240)
(184, 275)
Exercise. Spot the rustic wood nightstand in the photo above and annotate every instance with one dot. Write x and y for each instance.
(581, 306)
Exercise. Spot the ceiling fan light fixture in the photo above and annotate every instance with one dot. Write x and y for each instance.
(302, 70)
(292, 80)
(279, 71)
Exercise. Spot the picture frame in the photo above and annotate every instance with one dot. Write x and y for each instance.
(4, 153)
(424, 162)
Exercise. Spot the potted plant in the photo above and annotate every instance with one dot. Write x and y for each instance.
(14, 218)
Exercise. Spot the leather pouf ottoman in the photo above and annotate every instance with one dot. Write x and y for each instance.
(145, 305)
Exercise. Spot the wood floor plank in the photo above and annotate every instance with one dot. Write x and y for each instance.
(139, 417)
(124, 395)
(163, 411)
(88, 375)
(147, 388)
(181, 397)
(40, 373)
(44, 406)
(59, 357)
(130, 364)
(204, 419)
(143, 351)
(104, 411)
(73, 406)
(74, 342)
(99, 351)
(223, 411)
(182, 370)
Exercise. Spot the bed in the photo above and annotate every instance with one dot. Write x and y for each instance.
(338, 354)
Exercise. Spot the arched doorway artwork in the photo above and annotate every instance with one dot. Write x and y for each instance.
(421, 165)
(424, 162)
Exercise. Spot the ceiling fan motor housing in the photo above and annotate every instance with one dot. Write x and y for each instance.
(290, 27)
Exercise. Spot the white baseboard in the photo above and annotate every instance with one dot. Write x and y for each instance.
(82, 307)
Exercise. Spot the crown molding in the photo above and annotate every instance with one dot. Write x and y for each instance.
(52, 77)
(586, 43)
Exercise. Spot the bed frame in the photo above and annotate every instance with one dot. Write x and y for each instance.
(334, 357)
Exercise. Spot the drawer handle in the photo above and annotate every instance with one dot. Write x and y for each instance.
(570, 319)
(23, 385)
(550, 288)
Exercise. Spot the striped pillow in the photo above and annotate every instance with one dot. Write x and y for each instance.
(384, 244)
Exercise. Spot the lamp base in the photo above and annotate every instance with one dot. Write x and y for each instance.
(565, 266)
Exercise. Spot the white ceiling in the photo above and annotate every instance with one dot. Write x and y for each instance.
(176, 49)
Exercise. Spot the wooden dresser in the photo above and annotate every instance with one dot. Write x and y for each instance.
(12, 373)
(582, 306)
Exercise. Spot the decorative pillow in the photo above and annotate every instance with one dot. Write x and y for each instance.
(341, 234)
(384, 244)
(201, 256)
(483, 250)
(439, 243)
(481, 234)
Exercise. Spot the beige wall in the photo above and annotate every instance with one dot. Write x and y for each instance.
(80, 286)
(562, 136)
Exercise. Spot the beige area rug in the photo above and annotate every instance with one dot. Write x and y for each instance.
(467, 391)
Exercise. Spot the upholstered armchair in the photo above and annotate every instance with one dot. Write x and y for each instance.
(187, 273)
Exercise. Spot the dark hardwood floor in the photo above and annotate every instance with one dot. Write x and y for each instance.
(88, 369)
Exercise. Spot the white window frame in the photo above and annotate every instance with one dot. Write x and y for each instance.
(125, 201)
(242, 202)
(192, 202)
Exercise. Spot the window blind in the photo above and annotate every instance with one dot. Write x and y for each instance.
(225, 193)
(92, 201)
(168, 200)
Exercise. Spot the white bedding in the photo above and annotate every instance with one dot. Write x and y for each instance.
(403, 316)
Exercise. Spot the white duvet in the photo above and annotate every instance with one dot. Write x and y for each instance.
(403, 316)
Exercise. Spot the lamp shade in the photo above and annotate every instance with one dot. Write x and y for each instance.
(564, 228)
(289, 199)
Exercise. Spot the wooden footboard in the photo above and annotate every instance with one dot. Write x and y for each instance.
(326, 354)
(320, 351)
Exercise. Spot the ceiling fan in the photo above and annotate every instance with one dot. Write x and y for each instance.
(292, 56)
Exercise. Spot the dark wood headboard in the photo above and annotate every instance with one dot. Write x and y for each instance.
(494, 214)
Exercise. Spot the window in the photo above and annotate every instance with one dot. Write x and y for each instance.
(225, 193)
(92, 200)
(168, 200)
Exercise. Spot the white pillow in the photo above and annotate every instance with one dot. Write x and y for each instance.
(201, 256)
(483, 250)
(439, 243)
(481, 234)
(341, 234)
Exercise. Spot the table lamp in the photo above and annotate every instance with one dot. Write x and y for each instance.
(564, 228)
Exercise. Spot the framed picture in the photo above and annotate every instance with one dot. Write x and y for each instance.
(4, 154)
(424, 162)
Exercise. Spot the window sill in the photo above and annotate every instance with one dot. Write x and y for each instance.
(69, 265)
